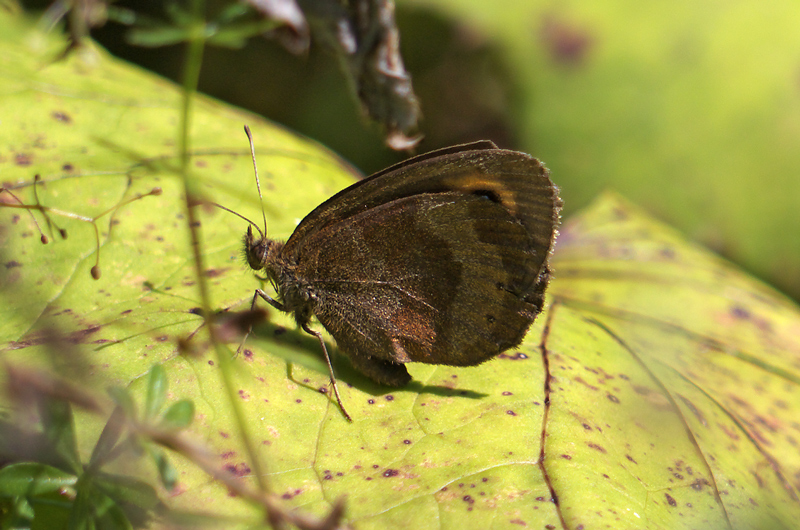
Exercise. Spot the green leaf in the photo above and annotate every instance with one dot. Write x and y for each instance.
(21, 512)
(58, 427)
(81, 517)
(51, 511)
(675, 380)
(108, 437)
(166, 471)
(156, 391)
(159, 36)
(114, 518)
(179, 415)
(31, 479)
(659, 390)
(235, 35)
(123, 489)
(123, 399)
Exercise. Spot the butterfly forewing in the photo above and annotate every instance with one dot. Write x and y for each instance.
(518, 181)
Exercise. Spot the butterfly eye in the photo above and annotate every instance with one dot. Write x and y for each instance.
(254, 250)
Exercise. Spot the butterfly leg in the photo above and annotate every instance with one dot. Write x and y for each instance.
(330, 369)
(267, 298)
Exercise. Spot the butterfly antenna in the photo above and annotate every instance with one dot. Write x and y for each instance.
(237, 214)
(258, 183)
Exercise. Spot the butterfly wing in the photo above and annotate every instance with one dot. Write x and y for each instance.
(443, 278)
(517, 181)
(441, 259)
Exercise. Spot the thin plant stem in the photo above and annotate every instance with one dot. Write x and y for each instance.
(190, 81)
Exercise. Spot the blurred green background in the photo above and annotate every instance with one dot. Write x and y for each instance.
(689, 108)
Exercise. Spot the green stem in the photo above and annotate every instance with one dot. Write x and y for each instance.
(190, 81)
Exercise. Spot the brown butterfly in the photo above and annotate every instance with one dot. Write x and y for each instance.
(440, 259)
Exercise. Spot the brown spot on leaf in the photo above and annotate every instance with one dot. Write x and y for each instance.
(598, 447)
(214, 273)
(291, 494)
(49, 336)
(240, 470)
(695, 411)
(23, 159)
(612, 398)
(584, 383)
(670, 500)
(63, 117)
(391, 473)
(740, 312)
(566, 42)
(667, 253)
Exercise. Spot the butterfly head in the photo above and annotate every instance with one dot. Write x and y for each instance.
(255, 249)
(260, 251)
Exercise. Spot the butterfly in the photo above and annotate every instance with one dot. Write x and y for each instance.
(440, 259)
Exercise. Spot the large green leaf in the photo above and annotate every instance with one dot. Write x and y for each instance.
(659, 390)
(675, 397)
